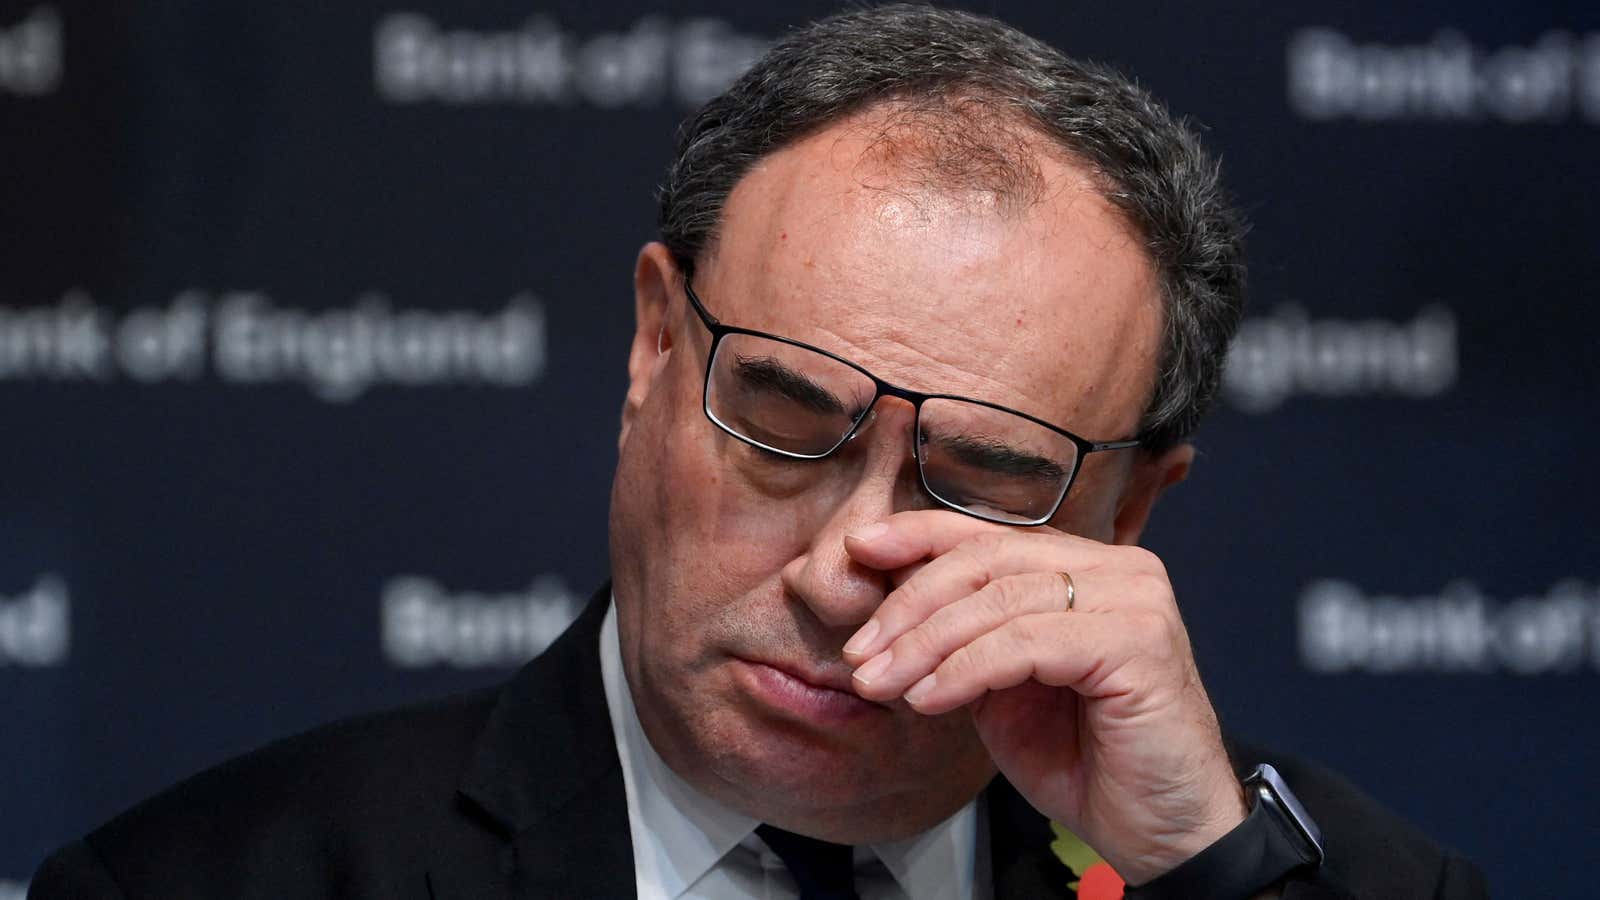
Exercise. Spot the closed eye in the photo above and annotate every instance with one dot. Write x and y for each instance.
(999, 458)
(764, 372)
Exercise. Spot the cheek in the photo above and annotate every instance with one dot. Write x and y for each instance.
(752, 510)
(709, 521)
(1090, 509)
(766, 475)
(715, 520)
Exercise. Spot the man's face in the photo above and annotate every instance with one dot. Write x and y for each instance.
(733, 587)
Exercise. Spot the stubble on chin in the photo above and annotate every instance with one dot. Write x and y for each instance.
(857, 785)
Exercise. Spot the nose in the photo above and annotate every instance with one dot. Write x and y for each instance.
(839, 591)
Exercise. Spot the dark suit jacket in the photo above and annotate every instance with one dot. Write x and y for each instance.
(517, 792)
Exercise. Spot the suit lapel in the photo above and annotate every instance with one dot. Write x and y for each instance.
(544, 784)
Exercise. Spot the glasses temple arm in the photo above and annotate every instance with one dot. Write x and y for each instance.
(1097, 446)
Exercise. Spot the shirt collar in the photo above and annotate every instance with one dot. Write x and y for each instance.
(942, 861)
(679, 834)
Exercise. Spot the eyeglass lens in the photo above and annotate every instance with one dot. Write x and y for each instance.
(799, 402)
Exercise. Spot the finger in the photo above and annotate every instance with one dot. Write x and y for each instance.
(907, 537)
(962, 571)
(1088, 653)
(920, 650)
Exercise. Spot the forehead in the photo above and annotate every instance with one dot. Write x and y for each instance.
(1047, 304)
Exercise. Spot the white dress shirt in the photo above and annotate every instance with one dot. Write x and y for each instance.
(687, 845)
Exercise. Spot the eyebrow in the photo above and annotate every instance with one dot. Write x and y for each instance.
(764, 371)
(1000, 458)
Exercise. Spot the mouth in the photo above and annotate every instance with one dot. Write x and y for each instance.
(806, 695)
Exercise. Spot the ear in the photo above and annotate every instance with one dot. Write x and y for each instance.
(654, 274)
(1152, 475)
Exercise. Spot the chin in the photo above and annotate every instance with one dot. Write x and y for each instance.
(846, 786)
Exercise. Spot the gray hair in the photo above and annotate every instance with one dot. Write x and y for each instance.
(1150, 165)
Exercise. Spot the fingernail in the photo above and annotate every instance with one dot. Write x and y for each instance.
(874, 667)
(863, 638)
(921, 689)
(871, 532)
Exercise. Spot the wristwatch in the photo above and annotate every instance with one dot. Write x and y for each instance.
(1276, 838)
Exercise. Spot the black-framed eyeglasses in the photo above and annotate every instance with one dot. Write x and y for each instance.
(802, 402)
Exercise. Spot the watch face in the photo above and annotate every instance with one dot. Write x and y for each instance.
(1276, 792)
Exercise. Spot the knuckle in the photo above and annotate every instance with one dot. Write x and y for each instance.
(922, 641)
(1154, 585)
(1144, 576)
(987, 542)
(1156, 634)
(902, 602)
(1127, 557)
(972, 567)
(1007, 598)
(1144, 562)
(1043, 542)
(968, 659)
(996, 659)
(1147, 624)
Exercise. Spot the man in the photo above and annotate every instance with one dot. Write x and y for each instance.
(933, 312)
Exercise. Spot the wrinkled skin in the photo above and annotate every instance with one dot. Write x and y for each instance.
(727, 559)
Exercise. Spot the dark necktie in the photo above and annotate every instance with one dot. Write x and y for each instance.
(822, 870)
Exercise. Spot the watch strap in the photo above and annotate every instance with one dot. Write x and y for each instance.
(1255, 855)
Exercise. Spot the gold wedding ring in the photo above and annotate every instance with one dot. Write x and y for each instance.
(1072, 590)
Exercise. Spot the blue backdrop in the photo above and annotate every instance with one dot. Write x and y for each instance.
(313, 322)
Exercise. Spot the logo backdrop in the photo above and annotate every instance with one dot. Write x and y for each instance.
(313, 323)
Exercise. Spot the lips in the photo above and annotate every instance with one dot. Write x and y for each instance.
(833, 681)
(806, 695)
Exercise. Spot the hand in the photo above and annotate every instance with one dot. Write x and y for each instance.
(1096, 715)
